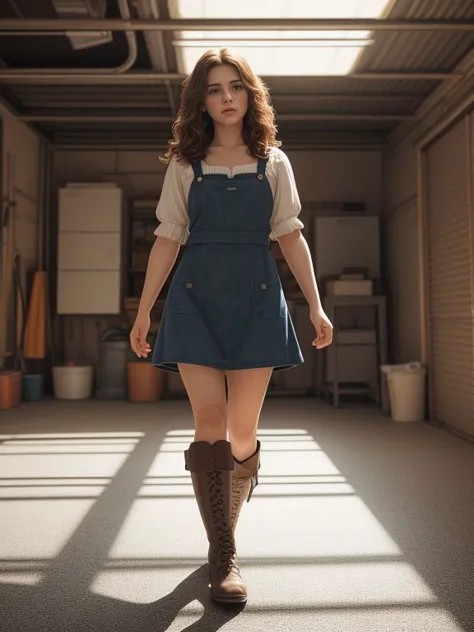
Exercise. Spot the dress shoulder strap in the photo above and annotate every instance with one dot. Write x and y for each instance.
(197, 168)
(261, 166)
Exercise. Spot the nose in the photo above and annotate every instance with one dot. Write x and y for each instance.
(227, 97)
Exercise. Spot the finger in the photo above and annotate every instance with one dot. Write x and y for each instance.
(322, 342)
(144, 348)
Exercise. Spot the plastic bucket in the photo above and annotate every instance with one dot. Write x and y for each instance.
(32, 388)
(10, 389)
(407, 391)
(145, 382)
(72, 382)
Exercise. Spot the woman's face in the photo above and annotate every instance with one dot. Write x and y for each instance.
(226, 98)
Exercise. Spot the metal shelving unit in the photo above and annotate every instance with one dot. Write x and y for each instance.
(334, 388)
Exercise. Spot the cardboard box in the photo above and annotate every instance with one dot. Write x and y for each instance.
(341, 287)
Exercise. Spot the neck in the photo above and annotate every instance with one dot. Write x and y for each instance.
(228, 137)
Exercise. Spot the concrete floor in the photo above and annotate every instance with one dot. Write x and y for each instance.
(358, 523)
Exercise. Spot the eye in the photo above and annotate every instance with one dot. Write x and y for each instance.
(213, 91)
(239, 86)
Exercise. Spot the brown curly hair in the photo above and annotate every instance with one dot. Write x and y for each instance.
(193, 129)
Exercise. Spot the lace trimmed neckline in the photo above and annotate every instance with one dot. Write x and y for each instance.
(230, 171)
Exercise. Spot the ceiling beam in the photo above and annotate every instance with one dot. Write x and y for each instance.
(16, 76)
(102, 118)
(356, 96)
(38, 95)
(249, 24)
(40, 104)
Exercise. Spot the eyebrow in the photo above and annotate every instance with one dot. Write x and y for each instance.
(218, 84)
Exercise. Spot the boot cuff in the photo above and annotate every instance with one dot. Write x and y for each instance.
(202, 456)
(248, 467)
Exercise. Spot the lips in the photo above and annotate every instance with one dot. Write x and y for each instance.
(228, 110)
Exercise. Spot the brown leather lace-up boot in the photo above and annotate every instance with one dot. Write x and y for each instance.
(211, 468)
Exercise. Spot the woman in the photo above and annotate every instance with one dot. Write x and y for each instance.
(228, 189)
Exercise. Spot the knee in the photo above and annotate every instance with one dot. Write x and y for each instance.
(210, 416)
(240, 434)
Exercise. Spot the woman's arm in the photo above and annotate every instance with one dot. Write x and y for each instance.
(160, 263)
(298, 256)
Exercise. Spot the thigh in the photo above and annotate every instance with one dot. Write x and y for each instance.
(246, 392)
(205, 387)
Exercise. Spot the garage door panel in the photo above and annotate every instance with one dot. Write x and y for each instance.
(453, 371)
(449, 280)
(449, 249)
(447, 226)
(445, 299)
(449, 305)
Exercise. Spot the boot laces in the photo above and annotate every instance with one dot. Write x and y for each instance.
(227, 551)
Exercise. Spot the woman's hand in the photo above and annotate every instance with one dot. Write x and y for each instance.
(323, 328)
(138, 336)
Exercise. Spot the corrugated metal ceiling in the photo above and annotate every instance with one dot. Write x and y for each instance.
(392, 51)
(415, 50)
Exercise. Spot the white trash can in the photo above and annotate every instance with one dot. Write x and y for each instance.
(73, 381)
(406, 389)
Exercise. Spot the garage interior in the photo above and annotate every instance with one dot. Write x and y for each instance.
(359, 522)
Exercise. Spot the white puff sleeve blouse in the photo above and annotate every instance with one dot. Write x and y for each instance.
(172, 206)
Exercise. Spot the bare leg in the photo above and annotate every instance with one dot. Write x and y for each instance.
(247, 389)
(205, 387)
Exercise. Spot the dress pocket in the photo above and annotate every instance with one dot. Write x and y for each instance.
(183, 298)
(269, 300)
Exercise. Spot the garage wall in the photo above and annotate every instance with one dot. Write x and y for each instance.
(401, 250)
(20, 178)
(400, 215)
(21, 147)
(322, 176)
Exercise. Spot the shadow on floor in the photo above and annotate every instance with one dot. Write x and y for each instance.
(40, 609)
(62, 601)
(416, 479)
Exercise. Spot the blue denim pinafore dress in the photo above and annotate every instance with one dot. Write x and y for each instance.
(225, 306)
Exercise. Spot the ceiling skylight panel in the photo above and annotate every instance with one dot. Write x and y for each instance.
(269, 52)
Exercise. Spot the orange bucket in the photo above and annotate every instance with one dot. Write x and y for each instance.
(145, 382)
(10, 389)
